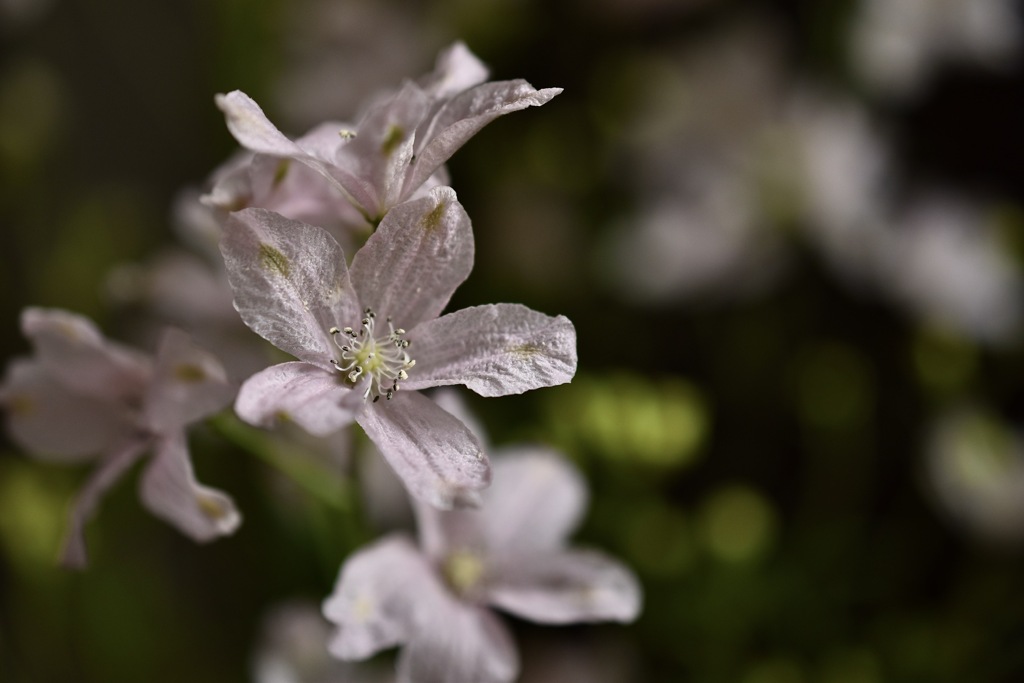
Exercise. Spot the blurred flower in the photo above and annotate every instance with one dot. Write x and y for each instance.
(293, 288)
(403, 141)
(293, 649)
(895, 45)
(975, 465)
(81, 395)
(510, 554)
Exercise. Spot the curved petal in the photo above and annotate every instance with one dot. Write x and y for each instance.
(190, 383)
(79, 357)
(462, 117)
(106, 474)
(43, 417)
(377, 596)
(461, 643)
(254, 131)
(169, 490)
(536, 501)
(565, 587)
(494, 350)
(436, 456)
(314, 399)
(290, 282)
(421, 252)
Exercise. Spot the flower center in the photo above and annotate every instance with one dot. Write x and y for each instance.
(382, 361)
(463, 570)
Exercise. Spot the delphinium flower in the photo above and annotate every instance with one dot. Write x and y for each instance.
(403, 140)
(433, 599)
(369, 337)
(84, 397)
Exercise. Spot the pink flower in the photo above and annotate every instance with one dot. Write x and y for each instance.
(402, 141)
(82, 396)
(372, 332)
(510, 554)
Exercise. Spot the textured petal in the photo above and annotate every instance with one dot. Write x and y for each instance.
(290, 282)
(463, 116)
(254, 131)
(436, 456)
(169, 490)
(494, 350)
(456, 70)
(421, 252)
(536, 501)
(383, 147)
(43, 417)
(378, 595)
(461, 644)
(189, 384)
(307, 395)
(106, 474)
(79, 357)
(565, 587)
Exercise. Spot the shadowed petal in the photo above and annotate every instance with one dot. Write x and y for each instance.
(536, 501)
(45, 418)
(565, 587)
(290, 282)
(421, 252)
(436, 456)
(463, 116)
(189, 384)
(456, 70)
(106, 474)
(461, 643)
(169, 490)
(494, 350)
(377, 596)
(314, 399)
(79, 357)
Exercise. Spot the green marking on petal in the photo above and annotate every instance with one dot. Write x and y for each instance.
(463, 570)
(189, 373)
(272, 259)
(20, 404)
(432, 221)
(282, 416)
(281, 171)
(210, 506)
(392, 140)
(527, 350)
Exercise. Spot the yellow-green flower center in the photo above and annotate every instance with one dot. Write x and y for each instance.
(382, 361)
(463, 571)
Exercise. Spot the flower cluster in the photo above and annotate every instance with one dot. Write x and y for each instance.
(342, 248)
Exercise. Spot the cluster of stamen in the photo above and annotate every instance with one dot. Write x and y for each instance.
(380, 361)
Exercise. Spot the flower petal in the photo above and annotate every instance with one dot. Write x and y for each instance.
(290, 282)
(106, 474)
(462, 117)
(189, 384)
(77, 356)
(169, 490)
(254, 131)
(313, 398)
(461, 643)
(421, 252)
(436, 456)
(565, 587)
(377, 596)
(56, 424)
(494, 350)
(536, 501)
(457, 69)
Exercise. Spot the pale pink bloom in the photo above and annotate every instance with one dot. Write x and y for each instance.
(362, 333)
(84, 397)
(511, 554)
(402, 141)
